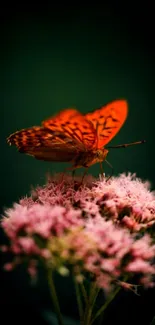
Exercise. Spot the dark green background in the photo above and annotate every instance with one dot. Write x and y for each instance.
(78, 59)
(63, 56)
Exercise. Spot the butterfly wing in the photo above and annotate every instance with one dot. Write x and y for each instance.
(44, 145)
(72, 124)
(108, 120)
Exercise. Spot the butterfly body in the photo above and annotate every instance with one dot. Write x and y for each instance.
(70, 136)
(89, 158)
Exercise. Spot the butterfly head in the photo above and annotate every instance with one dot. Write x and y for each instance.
(101, 154)
(98, 156)
(95, 157)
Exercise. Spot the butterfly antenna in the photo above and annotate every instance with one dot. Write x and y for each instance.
(112, 169)
(125, 145)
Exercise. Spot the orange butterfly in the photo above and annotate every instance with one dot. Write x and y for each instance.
(73, 137)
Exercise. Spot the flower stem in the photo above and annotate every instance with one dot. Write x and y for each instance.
(78, 297)
(108, 301)
(54, 296)
(90, 303)
(84, 293)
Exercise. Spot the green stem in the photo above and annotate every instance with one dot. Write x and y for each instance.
(78, 297)
(108, 301)
(90, 304)
(54, 296)
(95, 297)
(83, 290)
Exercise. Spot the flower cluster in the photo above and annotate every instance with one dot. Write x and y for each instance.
(96, 229)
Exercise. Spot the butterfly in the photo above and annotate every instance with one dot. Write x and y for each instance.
(70, 136)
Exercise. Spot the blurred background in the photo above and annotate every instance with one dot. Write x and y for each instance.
(62, 55)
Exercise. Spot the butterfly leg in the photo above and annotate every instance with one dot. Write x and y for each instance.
(84, 174)
(73, 174)
(101, 167)
(78, 184)
(112, 170)
(61, 183)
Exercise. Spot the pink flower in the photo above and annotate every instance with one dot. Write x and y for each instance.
(39, 219)
(128, 200)
(94, 229)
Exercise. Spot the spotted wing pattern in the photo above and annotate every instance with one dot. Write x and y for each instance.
(74, 125)
(43, 145)
(108, 120)
(60, 138)
(64, 136)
